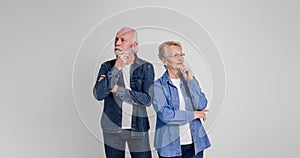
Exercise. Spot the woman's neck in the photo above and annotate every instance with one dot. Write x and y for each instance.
(174, 74)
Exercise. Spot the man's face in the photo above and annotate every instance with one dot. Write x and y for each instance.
(123, 41)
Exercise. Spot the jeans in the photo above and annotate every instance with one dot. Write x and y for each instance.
(187, 151)
(115, 145)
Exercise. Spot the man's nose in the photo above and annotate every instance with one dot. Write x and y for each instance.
(118, 42)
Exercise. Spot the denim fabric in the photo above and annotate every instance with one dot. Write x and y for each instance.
(187, 151)
(169, 117)
(141, 84)
(115, 145)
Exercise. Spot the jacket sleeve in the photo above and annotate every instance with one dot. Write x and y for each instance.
(198, 97)
(143, 97)
(105, 81)
(167, 113)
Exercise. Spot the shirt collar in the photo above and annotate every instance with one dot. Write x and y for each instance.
(166, 79)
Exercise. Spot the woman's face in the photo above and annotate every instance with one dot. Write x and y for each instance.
(173, 58)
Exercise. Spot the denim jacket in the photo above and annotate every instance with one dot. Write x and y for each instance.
(141, 82)
(169, 117)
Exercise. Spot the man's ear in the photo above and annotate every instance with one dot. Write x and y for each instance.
(135, 46)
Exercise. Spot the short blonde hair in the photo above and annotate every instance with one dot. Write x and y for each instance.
(163, 48)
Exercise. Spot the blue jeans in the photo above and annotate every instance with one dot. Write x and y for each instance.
(114, 144)
(187, 151)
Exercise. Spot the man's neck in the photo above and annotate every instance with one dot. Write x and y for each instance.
(131, 59)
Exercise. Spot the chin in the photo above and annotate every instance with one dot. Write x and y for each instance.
(118, 52)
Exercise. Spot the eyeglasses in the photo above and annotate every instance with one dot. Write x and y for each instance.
(175, 55)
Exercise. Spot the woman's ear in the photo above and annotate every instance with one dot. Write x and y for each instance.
(165, 62)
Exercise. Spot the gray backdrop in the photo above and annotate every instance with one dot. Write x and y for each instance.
(45, 43)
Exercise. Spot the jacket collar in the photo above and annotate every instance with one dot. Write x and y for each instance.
(137, 60)
(166, 79)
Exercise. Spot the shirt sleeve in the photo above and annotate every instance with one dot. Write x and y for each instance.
(105, 81)
(143, 97)
(198, 97)
(167, 113)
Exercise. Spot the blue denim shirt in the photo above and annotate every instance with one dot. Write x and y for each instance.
(169, 117)
(141, 83)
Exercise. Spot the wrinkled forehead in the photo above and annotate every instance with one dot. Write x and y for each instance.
(125, 32)
(174, 49)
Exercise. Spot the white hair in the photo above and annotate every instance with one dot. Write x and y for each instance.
(135, 35)
(162, 49)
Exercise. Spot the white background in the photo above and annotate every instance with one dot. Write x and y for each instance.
(257, 41)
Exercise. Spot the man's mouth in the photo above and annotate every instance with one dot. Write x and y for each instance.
(118, 50)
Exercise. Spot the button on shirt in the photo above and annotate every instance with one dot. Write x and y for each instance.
(170, 117)
(141, 84)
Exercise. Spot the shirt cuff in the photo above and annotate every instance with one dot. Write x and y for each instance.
(190, 115)
(114, 75)
(121, 92)
(115, 72)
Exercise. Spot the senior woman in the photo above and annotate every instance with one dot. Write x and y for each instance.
(179, 104)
